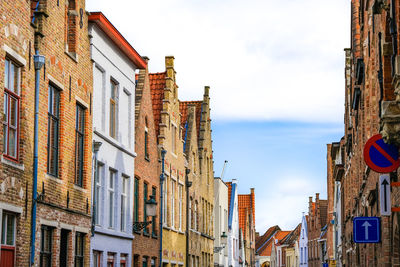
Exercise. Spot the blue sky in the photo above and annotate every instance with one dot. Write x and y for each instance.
(276, 72)
(284, 161)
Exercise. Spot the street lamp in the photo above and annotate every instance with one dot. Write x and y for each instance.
(151, 210)
(224, 238)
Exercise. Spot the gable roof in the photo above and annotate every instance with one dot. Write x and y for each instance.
(231, 204)
(292, 237)
(116, 37)
(157, 85)
(263, 241)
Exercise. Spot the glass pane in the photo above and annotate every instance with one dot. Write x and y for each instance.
(11, 82)
(3, 230)
(15, 78)
(5, 138)
(13, 112)
(10, 229)
(111, 209)
(12, 141)
(5, 108)
(6, 74)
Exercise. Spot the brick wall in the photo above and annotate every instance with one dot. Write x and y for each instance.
(147, 169)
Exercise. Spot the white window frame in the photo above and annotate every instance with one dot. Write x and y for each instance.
(125, 182)
(173, 183)
(111, 197)
(98, 187)
(180, 196)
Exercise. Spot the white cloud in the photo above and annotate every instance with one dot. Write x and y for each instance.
(284, 200)
(263, 59)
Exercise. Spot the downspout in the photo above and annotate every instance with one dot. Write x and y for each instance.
(188, 185)
(39, 61)
(163, 152)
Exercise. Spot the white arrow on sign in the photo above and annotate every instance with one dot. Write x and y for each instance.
(384, 195)
(366, 225)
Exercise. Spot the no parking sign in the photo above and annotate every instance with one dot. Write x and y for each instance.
(379, 156)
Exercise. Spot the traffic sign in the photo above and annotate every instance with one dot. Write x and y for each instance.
(379, 156)
(366, 230)
(384, 195)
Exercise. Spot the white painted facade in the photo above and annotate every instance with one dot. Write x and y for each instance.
(113, 230)
(337, 227)
(233, 228)
(303, 243)
(221, 221)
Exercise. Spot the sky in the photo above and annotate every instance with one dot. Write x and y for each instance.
(276, 72)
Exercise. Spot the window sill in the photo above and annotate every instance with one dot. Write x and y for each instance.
(155, 236)
(147, 159)
(11, 163)
(77, 187)
(146, 234)
(73, 56)
(53, 178)
(174, 155)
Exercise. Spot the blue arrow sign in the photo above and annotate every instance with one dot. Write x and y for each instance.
(366, 230)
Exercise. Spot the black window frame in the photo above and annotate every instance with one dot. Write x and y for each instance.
(79, 143)
(54, 117)
(153, 218)
(79, 254)
(44, 253)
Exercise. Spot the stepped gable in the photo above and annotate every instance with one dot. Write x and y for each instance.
(157, 86)
(183, 109)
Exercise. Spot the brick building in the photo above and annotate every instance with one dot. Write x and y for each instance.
(371, 107)
(17, 81)
(147, 170)
(246, 209)
(198, 151)
(167, 120)
(316, 226)
(65, 134)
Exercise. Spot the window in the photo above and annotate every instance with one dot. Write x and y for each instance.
(8, 229)
(136, 202)
(195, 215)
(173, 138)
(11, 109)
(110, 259)
(64, 251)
(301, 256)
(172, 203)
(144, 261)
(46, 246)
(97, 193)
(146, 140)
(145, 191)
(113, 108)
(79, 249)
(124, 201)
(123, 260)
(180, 196)
(153, 219)
(71, 26)
(53, 130)
(153, 262)
(190, 214)
(111, 196)
(97, 258)
(165, 202)
(79, 144)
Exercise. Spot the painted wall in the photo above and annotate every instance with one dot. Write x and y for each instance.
(116, 154)
(221, 220)
(303, 243)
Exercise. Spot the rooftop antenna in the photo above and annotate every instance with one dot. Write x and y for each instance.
(223, 169)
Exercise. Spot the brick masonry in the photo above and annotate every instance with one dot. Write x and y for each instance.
(147, 169)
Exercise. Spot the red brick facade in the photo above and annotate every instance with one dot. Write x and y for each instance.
(317, 215)
(370, 108)
(147, 170)
(62, 204)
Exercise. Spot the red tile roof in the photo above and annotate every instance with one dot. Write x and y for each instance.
(280, 235)
(229, 184)
(116, 37)
(157, 85)
(245, 207)
(183, 109)
(264, 245)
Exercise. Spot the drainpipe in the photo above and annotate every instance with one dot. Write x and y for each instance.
(188, 185)
(39, 61)
(163, 152)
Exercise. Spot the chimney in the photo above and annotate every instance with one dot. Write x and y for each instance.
(206, 90)
(316, 196)
(169, 61)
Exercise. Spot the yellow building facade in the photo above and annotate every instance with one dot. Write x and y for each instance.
(169, 131)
